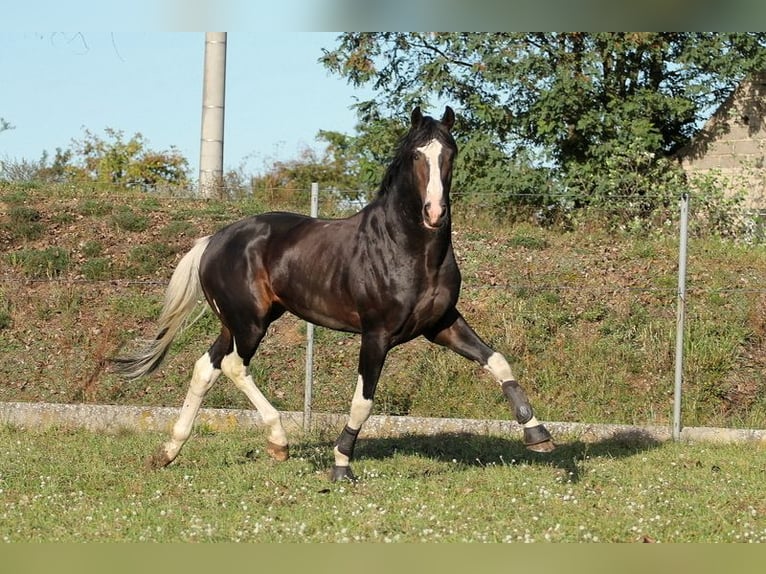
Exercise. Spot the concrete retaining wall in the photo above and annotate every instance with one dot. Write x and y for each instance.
(111, 418)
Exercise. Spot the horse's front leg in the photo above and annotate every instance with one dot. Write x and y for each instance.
(371, 357)
(454, 333)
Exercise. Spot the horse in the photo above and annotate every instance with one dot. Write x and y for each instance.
(387, 273)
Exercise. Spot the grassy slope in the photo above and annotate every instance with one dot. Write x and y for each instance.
(586, 317)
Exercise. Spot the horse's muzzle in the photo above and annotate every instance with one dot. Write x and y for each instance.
(434, 215)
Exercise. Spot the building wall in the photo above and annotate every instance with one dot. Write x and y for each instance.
(732, 145)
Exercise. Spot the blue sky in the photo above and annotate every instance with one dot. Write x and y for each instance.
(277, 96)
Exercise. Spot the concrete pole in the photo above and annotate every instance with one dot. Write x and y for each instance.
(213, 96)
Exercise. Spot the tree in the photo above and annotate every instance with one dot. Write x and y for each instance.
(108, 160)
(130, 163)
(588, 115)
(340, 165)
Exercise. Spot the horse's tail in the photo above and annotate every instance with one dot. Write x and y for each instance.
(182, 295)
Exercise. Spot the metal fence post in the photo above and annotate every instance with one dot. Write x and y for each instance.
(680, 314)
(310, 334)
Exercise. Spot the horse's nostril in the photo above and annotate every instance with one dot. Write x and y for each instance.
(434, 217)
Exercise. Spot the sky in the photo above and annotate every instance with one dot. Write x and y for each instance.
(278, 97)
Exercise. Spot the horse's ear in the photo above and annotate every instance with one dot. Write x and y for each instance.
(448, 119)
(417, 117)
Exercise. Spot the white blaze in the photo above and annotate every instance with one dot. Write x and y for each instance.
(434, 188)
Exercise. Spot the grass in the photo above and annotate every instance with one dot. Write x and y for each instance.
(128, 220)
(60, 485)
(47, 263)
(24, 222)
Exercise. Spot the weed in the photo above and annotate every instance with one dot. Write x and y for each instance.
(150, 204)
(6, 319)
(597, 312)
(94, 207)
(24, 222)
(144, 260)
(15, 196)
(176, 229)
(528, 242)
(92, 248)
(134, 305)
(63, 218)
(97, 269)
(128, 220)
(22, 213)
(47, 263)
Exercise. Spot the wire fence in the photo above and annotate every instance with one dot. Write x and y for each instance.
(679, 301)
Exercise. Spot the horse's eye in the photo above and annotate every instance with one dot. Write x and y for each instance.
(416, 155)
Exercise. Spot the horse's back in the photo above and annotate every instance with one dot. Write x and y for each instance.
(297, 262)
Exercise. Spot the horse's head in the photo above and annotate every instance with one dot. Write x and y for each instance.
(432, 151)
(422, 169)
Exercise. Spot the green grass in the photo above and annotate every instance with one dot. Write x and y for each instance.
(147, 259)
(96, 269)
(6, 319)
(47, 263)
(128, 220)
(24, 222)
(60, 485)
(94, 207)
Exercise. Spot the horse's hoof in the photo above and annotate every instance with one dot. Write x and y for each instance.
(159, 459)
(341, 473)
(278, 452)
(545, 446)
(538, 439)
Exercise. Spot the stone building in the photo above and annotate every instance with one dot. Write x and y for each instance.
(732, 144)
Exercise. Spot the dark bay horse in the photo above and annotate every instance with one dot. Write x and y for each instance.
(387, 273)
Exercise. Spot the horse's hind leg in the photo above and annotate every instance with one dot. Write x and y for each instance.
(234, 366)
(205, 374)
(453, 332)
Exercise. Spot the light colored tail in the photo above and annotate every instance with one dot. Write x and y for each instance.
(181, 297)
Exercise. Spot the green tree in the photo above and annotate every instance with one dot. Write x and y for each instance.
(591, 115)
(339, 166)
(115, 161)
